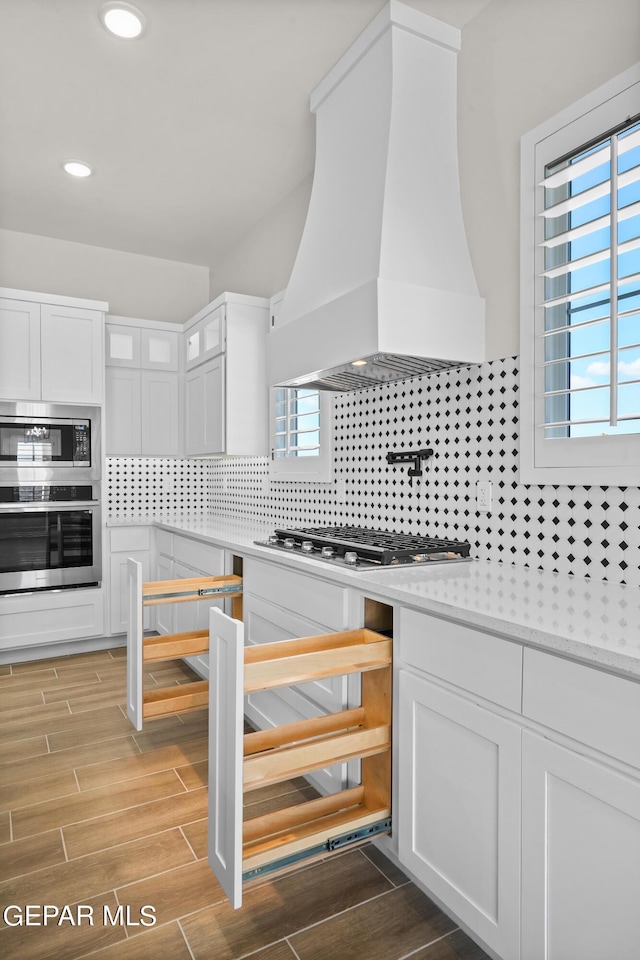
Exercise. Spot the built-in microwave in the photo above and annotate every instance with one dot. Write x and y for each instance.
(42, 442)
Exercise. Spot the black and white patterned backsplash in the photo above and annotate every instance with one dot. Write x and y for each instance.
(470, 418)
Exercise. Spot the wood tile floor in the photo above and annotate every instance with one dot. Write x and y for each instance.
(93, 814)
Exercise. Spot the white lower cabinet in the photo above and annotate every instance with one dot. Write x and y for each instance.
(458, 822)
(34, 619)
(580, 856)
(125, 542)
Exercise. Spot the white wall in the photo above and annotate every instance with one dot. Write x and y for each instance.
(133, 285)
(260, 263)
(521, 62)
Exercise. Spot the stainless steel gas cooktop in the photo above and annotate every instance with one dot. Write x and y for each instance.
(360, 548)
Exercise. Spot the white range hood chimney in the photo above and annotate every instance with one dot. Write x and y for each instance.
(383, 273)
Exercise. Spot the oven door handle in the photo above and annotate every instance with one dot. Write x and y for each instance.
(49, 507)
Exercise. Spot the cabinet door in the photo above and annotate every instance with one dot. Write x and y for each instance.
(158, 349)
(122, 412)
(122, 345)
(194, 413)
(459, 808)
(19, 350)
(580, 856)
(119, 589)
(213, 333)
(72, 354)
(214, 406)
(160, 413)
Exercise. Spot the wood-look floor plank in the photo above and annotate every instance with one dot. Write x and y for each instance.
(33, 713)
(180, 757)
(109, 718)
(155, 734)
(455, 946)
(25, 793)
(19, 768)
(140, 821)
(281, 907)
(5, 828)
(92, 728)
(385, 928)
(22, 750)
(27, 681)
(5, 670)
(90, 804)
(157, 943)
(21, 698)
(279, 951)
(60, 692)
(194, 775)
(176, 893)
(63, 942)
(389, 869)
(75, 660)
(111, 868)
(25, 856)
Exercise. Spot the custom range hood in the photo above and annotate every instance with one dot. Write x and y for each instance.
(382, 287)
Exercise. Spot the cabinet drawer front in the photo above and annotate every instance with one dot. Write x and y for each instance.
(470, 659)
(164, 543)
(202, 556)
(323, 603)
(595, 708)
(130, 538)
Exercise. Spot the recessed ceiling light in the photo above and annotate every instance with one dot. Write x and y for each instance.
(122, 19)
(77, 168)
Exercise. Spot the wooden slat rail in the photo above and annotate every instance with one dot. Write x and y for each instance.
(189, 589)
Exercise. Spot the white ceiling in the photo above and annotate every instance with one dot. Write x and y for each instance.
(195, 131)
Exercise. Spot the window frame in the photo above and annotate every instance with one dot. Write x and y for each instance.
(317, 469)
(578, 460)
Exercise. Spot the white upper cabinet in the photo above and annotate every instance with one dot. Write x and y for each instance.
(143, 396)
(19, 350)
(225, 389)
(51, 348)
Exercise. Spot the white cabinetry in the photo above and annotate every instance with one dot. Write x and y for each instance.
(580, 856)
(225, 380)
(458, 821)
(51, 348)
(142, 388)
(125, 542)
(580, 815)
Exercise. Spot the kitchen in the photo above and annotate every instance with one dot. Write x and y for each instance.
(552, 557)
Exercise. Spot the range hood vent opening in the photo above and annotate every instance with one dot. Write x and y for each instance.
(383, 271)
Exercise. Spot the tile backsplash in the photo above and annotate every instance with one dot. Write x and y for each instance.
(469, 417)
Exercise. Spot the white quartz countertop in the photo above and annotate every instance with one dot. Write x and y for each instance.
(588, 620)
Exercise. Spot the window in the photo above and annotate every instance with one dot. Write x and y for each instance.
(301, 435)
(580, 286)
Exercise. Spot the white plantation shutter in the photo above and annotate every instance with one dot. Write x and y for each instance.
(591, 289)
(581, 332)
(301, 433)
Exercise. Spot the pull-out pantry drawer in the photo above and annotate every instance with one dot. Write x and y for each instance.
(240, 763)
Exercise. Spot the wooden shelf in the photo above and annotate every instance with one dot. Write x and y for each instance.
(177, 699)
(170, 646)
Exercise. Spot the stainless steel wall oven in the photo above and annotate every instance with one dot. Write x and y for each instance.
(50, 498)
(50, 536)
